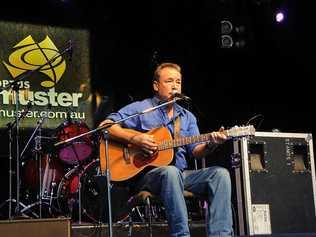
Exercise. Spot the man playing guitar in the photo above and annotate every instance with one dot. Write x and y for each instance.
(169, 180)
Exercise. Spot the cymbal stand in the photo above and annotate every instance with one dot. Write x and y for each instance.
(10, 199)
(10, 127)
(38, 149)
(10, 170)
(17, 135)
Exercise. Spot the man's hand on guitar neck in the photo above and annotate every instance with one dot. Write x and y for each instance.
(218, 137)
(215, 139)
(145, 142)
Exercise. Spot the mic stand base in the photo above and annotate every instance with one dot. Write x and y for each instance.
(10, 201)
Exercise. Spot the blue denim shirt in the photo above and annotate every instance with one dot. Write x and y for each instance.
(159, 118)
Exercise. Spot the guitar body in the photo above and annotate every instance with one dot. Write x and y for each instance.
(127, 160)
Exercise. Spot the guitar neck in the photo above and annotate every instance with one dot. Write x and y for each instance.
(168, 144)
(234, 132)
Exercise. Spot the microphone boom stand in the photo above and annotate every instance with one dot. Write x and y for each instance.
(106, 137)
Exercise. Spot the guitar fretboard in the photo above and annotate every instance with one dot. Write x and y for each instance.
(230, 133)
(168, 144)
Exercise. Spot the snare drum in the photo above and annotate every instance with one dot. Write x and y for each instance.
(77, 150)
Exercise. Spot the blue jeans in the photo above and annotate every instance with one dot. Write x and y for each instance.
(168, 182)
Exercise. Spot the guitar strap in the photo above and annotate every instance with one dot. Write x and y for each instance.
(176, 127)
(176, 134)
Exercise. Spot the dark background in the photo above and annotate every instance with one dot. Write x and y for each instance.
(272, 75)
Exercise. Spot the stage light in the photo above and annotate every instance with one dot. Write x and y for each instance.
(232, 35)
(279, 16)
(226, 41)
(226, 30)
(226, 27)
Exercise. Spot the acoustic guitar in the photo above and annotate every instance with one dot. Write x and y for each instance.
(127, 160)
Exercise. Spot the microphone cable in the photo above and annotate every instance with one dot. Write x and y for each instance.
(256, 117)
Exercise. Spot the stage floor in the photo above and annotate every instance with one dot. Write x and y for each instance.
(159, 229)
(197, 229)
(64, 227)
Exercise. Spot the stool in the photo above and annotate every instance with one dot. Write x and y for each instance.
(140, 199)
(145, 198)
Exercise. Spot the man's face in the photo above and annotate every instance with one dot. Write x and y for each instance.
(169, 81)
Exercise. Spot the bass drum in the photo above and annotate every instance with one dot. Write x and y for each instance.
(93, 195)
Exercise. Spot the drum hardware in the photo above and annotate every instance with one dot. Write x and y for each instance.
(54, 185)
(76, 152)
(10, 127)
(76, 138)
(17, 123)
(38, 151)
(51, 174)
(105, 137)
(92, 196)
(66, 193)
(14, 85)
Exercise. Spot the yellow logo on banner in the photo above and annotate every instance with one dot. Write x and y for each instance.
(30, 55)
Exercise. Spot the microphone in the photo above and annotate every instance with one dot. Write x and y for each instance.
(176, 94)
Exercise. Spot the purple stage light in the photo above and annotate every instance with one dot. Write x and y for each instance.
(279, 17)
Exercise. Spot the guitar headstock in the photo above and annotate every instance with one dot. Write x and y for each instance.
(241, 131)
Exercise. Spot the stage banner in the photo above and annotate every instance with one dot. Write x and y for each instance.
(58, 91)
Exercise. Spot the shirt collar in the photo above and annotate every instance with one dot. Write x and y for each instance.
(178, 109)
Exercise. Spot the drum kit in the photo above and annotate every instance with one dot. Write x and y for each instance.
(66, 180)
(62, 176)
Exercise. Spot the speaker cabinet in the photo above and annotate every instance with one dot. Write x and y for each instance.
(277, 183)
(36, 228)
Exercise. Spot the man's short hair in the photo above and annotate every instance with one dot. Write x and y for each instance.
(162, 66)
